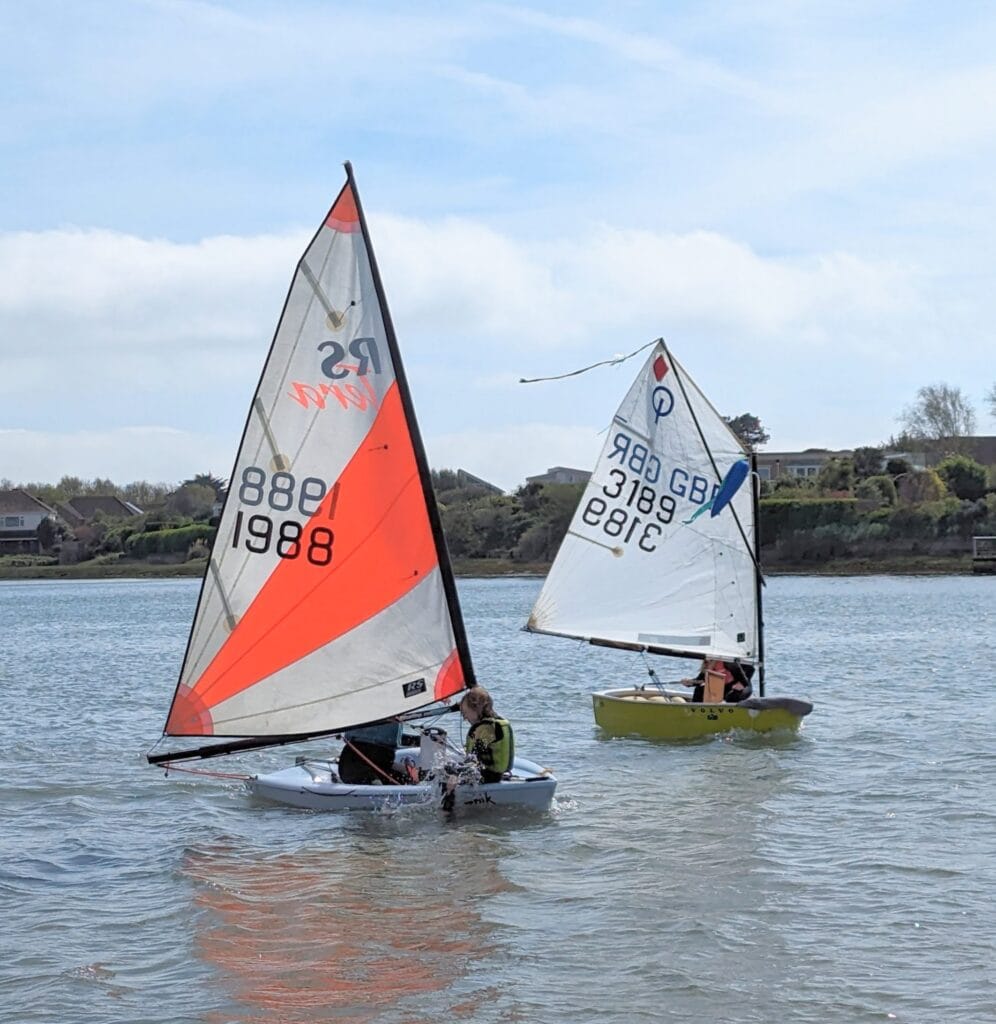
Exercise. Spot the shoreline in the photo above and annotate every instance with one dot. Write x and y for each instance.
(486, 568)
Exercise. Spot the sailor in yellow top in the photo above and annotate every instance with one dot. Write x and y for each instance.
(490, 738)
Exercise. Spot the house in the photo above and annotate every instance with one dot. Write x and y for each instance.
(81, 510)
(20, 517)
(774, 465)
(560, 475)
(808, 463)
(981, 447)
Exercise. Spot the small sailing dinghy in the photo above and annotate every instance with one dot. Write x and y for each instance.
(661, 557)
(329, 602)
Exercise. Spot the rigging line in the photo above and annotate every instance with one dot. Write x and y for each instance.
(715, 468)
(584, 369)
(169, 767)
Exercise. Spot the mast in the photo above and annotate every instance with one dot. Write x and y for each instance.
(758, 579)
(425, 477)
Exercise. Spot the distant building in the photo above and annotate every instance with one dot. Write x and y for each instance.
(20, 517)
(808, 463)
(560, 475)
(465, 479)
(981, 447)
(775, 465)
(81, 510)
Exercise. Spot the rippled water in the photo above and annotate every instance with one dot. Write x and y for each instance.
(845, 875)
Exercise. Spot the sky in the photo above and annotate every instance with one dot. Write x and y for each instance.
(797, 196)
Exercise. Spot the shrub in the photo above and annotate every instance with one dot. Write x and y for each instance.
(877, 488)
(964, 477)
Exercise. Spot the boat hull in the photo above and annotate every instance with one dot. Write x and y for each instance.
(652, 715)
(313, 785)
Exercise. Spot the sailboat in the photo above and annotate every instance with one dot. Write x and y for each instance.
(329, 602)
(661, 558)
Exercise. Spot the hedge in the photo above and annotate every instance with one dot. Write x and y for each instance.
(782, 516)
(168, 542)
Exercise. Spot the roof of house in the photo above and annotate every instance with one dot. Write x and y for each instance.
(88, 505)
(18, 502)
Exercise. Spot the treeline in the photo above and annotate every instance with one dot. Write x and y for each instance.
(854, 510)
(851, 509)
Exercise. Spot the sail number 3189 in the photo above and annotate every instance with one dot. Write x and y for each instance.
(289, 538)
(623, 521)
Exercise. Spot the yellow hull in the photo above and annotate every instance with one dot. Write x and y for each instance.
(643, 713)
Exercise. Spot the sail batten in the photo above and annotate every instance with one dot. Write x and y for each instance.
(659, 554)
(329, 600)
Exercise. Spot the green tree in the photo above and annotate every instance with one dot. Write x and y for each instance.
(836, 475)
(193, 500)
(867, 461)
(897, 467)
(964, 477)
(71, 487)
(49, 533)
(991, 401)
(748, 428)
(940, 414)
(207, 480)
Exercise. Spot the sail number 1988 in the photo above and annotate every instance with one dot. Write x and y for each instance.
(289, 538)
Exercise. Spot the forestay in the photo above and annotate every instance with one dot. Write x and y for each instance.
(649, 561)
(328, 599)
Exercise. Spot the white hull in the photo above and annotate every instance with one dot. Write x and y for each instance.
(315, 786)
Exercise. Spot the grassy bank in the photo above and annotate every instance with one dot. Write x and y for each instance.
(910, 565)
(104, 571)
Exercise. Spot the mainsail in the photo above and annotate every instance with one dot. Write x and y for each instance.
(660, 553)
(329, 599)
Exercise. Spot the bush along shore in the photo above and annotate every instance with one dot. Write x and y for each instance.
(912, 521)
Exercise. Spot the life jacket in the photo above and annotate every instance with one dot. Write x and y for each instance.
(722, 668)
(492, 742)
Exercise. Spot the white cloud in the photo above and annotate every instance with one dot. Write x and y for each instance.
(154, 454)
(113, 331)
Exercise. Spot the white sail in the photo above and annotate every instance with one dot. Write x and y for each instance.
(328, 600)
(646, 564)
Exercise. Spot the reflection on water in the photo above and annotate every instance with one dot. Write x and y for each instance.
(351, 934)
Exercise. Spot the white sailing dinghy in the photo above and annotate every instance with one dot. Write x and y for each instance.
(329, 601)
(661, 557)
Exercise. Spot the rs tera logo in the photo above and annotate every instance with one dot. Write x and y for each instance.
(363, 350)
(360, 396)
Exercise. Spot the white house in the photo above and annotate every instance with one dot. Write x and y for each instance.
(20, 517)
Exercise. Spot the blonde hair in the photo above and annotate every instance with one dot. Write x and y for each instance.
(478, 699)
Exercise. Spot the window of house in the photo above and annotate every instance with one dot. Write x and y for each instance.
(13, 522)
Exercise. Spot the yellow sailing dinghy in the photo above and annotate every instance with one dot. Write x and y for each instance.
(329, 604)
(662, 558)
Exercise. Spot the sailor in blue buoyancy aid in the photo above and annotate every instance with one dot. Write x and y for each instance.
(490, 738)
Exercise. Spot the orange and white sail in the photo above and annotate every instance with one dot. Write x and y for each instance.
(328, 600)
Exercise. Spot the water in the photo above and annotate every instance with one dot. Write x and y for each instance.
(845, 875)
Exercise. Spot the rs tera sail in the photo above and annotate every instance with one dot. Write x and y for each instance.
(329, 599)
